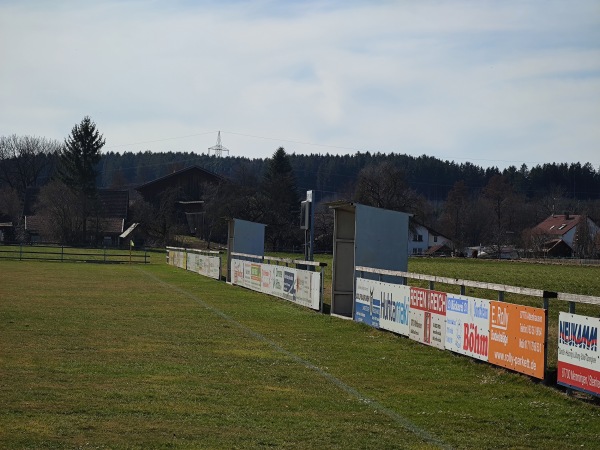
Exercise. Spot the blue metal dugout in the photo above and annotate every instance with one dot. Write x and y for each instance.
(244, 237)
(369, 237)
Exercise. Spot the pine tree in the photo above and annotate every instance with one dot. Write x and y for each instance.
(283, 203)
(78, 160)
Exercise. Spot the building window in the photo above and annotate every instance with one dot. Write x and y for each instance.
(434, 238)
(417, 237)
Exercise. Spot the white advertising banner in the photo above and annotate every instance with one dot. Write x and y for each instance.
(428, 317)
(299, 286)
(237, 272)
(382, 305)
(177, 258)
(209, 266)
(578, 353)
(468, 326)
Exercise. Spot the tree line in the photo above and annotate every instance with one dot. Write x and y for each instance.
(470, 204)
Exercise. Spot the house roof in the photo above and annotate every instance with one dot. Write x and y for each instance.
(431, 230)
(442, 248)
(205, 173)
(558, 225)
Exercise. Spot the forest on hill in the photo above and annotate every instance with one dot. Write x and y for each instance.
(335, 176)
(465, 202)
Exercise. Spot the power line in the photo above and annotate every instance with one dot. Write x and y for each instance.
(160, 140)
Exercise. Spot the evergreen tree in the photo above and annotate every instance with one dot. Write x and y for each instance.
(78, 161)
(282, 207)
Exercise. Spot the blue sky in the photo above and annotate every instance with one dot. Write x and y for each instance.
(496, 83)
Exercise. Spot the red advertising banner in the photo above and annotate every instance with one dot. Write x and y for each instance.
(428, 317)
(517, 338)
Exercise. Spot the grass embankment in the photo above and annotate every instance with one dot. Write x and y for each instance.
(158, 357)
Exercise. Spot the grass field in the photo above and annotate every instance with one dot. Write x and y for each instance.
(120, 356)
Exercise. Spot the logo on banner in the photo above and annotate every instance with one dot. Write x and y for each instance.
(255, 272)
(289, 283)
(395, 311)
(578, 335)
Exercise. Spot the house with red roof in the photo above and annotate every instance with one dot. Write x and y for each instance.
(559, 233)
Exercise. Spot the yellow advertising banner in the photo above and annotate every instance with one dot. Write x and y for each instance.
(517, 338)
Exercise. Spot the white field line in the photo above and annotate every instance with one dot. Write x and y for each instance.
(400, 420)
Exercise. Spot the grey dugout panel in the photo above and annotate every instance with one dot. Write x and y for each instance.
(244, 237)
(369, 237)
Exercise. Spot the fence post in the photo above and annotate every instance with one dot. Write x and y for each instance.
(322, 289)
(62, 253)
(146, 255)
(21, 251)
(546, 309)
(463, 291)
(105, 253)
(569, 391)
(432, 285)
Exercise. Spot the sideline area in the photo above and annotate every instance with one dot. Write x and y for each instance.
(153, 356)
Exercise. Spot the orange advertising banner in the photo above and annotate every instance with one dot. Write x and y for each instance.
(517, 338)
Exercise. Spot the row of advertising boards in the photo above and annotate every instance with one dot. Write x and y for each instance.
(508, 335)
(207, 265)
(296, 285)
(504, 334)
(299, 286)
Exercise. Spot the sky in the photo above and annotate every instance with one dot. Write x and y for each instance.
(494, 83)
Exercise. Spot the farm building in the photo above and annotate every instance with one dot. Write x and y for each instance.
(184, 189)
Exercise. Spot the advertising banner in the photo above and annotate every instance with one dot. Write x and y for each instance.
(277, 281)
(289, 284)
(266, 282)
(428, 317)
(193, 262)
(382, 305)
(367, 302)
(177, 258)
(255, 280)
(468, 326)
(517, 337)
(578, 355)
(299, 286)
(237, 273)
(394, 312)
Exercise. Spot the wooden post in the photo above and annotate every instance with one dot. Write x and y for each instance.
(546, 309)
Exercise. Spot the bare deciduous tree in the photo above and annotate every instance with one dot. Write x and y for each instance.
(23, 159)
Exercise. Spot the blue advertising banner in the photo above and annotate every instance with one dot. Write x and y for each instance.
(367, 306)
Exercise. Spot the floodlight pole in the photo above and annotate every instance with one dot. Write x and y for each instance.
(308, 225)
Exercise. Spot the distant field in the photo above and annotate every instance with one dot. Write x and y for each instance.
(120, 356)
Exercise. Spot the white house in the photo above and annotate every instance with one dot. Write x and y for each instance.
(423, 238)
